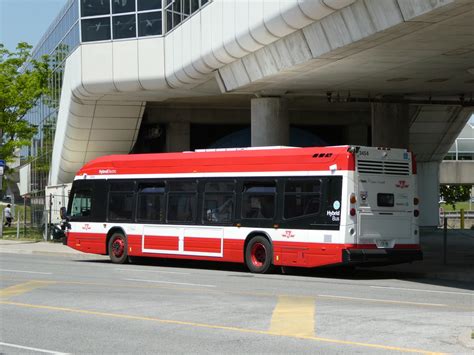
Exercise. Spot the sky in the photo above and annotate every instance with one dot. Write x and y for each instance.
(26, 20)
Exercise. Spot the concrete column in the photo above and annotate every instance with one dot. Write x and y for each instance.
(390, 125)
(357, 134)
(269, 122)
(178, 136)
(428, 191)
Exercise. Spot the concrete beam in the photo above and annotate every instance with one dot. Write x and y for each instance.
(390, 125)
(454, 172)
(178, 136)
(269, 122)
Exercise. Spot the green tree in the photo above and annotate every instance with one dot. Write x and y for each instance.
(23, 81)
(452, 194)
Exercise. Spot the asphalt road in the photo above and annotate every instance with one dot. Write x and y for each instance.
(71, 304)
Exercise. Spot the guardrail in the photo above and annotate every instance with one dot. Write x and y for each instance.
(467, 214)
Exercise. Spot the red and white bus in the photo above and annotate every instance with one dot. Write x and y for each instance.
(272, 206)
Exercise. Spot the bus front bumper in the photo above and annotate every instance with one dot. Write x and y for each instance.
(379, 257)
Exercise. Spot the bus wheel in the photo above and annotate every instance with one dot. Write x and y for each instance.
(118, 248)
(258, 255)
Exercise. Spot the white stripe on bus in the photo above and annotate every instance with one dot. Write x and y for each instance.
(222, 174)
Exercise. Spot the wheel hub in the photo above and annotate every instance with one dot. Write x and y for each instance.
(118, 247)
(258, 254)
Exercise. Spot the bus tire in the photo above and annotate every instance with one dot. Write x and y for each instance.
(259, 255)
(118, 248)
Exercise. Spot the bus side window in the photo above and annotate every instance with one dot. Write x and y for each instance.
(258, 200)
(121, 200)
(120, 206)
(182, 201)
(151, 202)
(302, 197)
(218, 204)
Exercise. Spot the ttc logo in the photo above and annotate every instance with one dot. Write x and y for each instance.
(402, 184)
(86, 227)
(288, 235)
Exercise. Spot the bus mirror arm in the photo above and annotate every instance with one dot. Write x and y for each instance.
(63, 213)
(64, 219)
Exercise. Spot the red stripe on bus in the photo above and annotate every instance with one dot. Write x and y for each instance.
(161, 242)
(206, 245)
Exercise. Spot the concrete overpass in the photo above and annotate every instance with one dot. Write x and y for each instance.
(391, 73)
(453, 172)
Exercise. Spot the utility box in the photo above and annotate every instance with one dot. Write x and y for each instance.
(56, 196)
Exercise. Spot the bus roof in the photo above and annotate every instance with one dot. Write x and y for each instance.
(245, 160)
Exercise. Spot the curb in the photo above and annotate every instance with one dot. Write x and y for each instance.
(50, 253)
(14, 242)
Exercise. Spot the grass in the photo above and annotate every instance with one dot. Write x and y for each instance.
(459, 205)
(29, 234)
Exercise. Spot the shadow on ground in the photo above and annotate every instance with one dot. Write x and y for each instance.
(297, 274)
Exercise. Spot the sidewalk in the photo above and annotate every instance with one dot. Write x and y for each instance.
(459, 267)
(459, 257)
(42, 248)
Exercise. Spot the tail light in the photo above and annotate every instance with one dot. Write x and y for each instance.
(353, 198)
(352, 212)
(416, 213)
(416, 201)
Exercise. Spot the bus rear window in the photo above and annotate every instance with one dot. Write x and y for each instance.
(385, 200)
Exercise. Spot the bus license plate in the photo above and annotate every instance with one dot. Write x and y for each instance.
(383, 244)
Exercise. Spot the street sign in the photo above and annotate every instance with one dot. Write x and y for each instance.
(2, 162)
(1, 170)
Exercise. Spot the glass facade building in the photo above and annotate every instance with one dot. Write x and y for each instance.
(61, 38)
(103, 20)
(88, 21)
(463, 147)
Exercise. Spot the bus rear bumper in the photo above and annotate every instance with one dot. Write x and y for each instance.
(378, 257)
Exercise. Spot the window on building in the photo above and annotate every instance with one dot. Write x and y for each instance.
(95, 29)
(144, 5)
(95, 7)
(124, 26)
(121, 6)
(149, 24)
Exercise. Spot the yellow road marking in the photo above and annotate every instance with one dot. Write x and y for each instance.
(293, 316)
(221, 327)
(22, 288)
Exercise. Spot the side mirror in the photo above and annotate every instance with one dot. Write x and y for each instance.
(63, 212)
